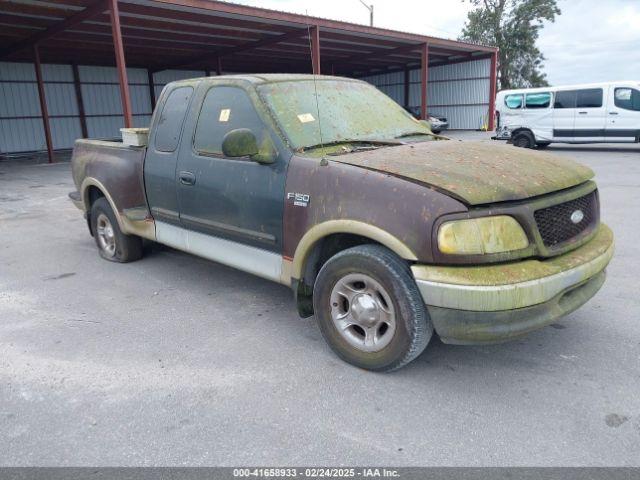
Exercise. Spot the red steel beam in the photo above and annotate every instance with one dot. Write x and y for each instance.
(152, 89)
(89, 12)
(424, 79)
(43, 103)
(407, 86)
(492, 90)
(80, 101)
(120, 63)
(314, 34)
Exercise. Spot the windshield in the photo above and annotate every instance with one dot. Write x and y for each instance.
(349, 112)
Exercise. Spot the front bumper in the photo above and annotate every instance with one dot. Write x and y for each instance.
(493, 303)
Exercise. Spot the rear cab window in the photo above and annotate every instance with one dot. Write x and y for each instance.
(169, 127)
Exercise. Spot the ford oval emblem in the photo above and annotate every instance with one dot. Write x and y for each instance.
(577, 216)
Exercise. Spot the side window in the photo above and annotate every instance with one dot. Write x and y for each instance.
(224, 109)
(627, 98)
(513, 101)
(590, 98)
(566, 99)
(169, 125)
(538, 100)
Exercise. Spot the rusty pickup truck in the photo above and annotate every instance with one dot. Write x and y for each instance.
(383, 230)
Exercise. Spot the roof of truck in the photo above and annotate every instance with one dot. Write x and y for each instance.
(271, 78)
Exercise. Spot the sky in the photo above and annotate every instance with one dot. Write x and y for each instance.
(592, 41)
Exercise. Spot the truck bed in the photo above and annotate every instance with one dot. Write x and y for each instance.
(116, 170)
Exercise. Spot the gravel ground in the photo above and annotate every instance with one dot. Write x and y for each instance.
(174, 360)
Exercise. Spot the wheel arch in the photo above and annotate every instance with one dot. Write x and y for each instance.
(323, 241)
(91, 189)
(319, 233)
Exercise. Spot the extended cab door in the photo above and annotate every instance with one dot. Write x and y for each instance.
(234, 199)
(162, 154)
(623, 116)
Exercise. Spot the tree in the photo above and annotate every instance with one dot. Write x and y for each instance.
(513, 26)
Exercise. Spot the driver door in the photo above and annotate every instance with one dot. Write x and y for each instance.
(235, 199)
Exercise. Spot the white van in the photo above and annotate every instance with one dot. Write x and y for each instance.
(594, 113)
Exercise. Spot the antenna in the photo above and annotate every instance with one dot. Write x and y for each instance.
(315, 85)
(370, 8)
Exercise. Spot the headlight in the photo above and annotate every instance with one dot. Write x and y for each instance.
(477, 236)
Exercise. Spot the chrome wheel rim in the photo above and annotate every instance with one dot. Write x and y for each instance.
(362, 312)
(106, 236)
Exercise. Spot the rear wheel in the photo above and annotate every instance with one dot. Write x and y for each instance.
(524, 140)
(113, 245)
(369, 309)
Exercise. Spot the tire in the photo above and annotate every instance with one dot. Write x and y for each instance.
(380, 290)
(523, 140)
(542, 145)
(113, 245)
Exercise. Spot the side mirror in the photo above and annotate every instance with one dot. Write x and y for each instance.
(240, 142)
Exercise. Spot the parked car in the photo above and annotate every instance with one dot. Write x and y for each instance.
(437, 122)
(384, 231)
(594, 113)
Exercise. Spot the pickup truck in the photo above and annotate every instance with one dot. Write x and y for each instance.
(384, 231)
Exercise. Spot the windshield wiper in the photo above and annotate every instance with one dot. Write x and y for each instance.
(414, 134)
(373, 143)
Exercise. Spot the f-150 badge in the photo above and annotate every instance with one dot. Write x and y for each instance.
(299, 199)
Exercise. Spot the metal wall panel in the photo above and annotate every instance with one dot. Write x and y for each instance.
(21, 135)
(101, 97)
(458, 91)
(17, 71)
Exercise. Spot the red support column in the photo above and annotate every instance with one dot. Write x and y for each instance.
(152, 89)
(43, 103)
(493, 90)
(314, 32)
(80, 101)
(424, 80)
(120, 63)
(407, 86)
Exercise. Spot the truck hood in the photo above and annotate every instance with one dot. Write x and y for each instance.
(474, 172)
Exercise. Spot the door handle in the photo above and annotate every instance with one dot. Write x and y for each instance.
(583, 113)
(187, 178)
(613, 113)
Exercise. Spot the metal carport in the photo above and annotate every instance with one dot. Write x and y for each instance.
(160, 36)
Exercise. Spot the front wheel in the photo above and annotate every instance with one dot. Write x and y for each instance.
(369, 309)
(524, 140)
(113, 245)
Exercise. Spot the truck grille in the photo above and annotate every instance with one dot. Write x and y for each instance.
(555, 224)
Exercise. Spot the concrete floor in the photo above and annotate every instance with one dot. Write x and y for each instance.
(174, 360)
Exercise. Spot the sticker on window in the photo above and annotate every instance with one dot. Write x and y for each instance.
(225, 113)
(306, 118)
